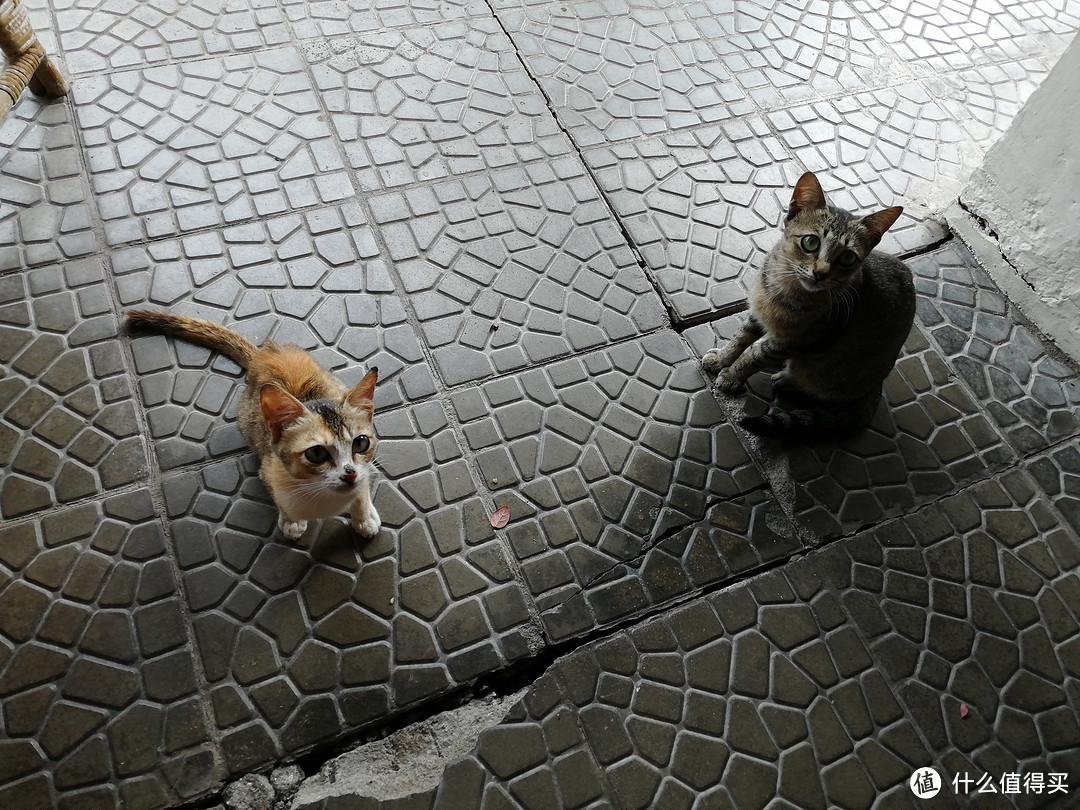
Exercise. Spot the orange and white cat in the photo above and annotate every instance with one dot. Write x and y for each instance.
(314, 437)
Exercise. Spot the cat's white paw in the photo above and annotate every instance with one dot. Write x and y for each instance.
(728, 383)
(292, 529)
(367, 523)
(713, 361)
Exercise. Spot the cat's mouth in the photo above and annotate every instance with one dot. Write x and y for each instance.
(812, 284)
(347, 482)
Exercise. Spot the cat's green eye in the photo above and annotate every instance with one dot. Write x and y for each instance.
(360, 445)
(317, 454)
(810, 243)
(848, 258)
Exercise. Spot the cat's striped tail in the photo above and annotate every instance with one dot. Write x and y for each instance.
(827, 423)
(195, 330)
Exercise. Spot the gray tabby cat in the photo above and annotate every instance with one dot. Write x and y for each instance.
(827, 310)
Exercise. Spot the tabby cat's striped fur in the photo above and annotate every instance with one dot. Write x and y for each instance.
(829, 312)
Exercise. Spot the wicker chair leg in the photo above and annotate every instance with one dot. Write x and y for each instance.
(28, 64)
(48, 80)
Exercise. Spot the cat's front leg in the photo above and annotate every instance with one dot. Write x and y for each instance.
(715, 361)
(292, 529)
(365, 519)
(763, 354)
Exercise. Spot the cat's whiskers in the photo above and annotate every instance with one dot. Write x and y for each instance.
(316, 487)
(789, 270)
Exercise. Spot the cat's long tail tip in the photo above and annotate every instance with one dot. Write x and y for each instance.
(144, 318)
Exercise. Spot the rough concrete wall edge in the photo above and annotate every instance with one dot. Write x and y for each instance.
(1059, 323)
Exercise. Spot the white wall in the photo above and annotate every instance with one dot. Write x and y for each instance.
(1028, 193)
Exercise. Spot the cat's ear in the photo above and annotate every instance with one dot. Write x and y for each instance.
(279, 408)
(360, 396)
(807, 196)
(880, 221)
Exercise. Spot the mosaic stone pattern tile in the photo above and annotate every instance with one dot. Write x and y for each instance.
(614, 70)
(101, 703)
(702, 207)
(928, 439)
(429, 102)
(44, 212)
(597, 458)
(1031, 394)
(955, 36)
(514, 268)
(314, 279)
(792, 52)
(206, 143)
(331, 18)
(68, 420)
(299, 644)
(1058, 474)
(759, 694)
(42, 22)
(99, 36)
(972, 601)
(984, 100)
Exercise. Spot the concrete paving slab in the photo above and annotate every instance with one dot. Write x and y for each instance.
(331, 18)
(597, 458)
(929, 438)
(206, 143)
(45, 214)
(704, 206)
(514, 268)
(827, 684)
(758, 694)
(890, 146)
(701, 206)
(794, 52)
(618, 70)
(1058, 475)
(1030, 391)
(948, 36)
(429, 102)
(100, 682)
(984, 100)
(69, 423)
(963, 603)
(100, 36)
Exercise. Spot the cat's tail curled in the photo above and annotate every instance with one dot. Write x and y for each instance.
(195, 330)
(828, 422)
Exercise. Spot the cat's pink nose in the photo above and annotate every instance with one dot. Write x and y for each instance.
(348, 477)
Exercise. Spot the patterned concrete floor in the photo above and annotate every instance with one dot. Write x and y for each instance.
(533, 216)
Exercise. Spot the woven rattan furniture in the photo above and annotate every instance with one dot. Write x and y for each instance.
(27, 63)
